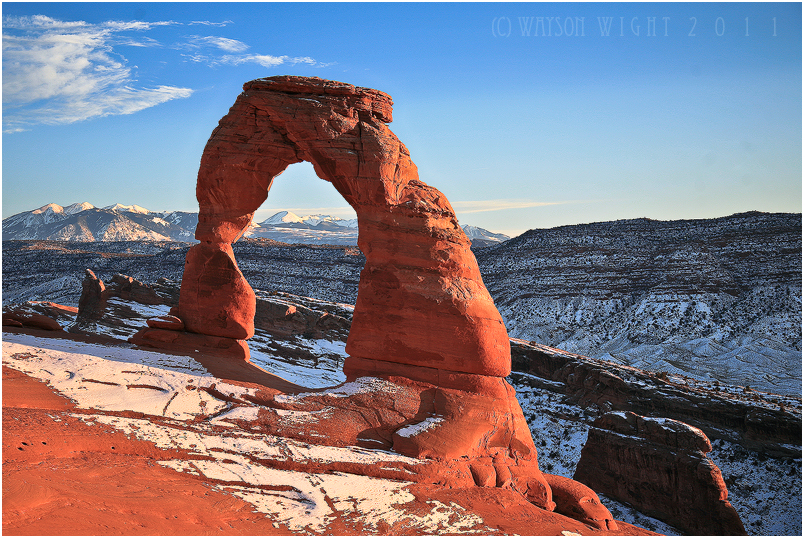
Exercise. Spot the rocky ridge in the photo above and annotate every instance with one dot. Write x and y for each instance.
(747, 336)
(715, 299)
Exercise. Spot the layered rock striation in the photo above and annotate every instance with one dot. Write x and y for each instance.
(711, 298)
(421, 300)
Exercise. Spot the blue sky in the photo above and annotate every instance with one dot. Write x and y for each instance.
(527, 115)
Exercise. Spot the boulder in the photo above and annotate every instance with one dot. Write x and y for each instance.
(129, 288)
(166, 322)
(19, 318)
(658, 466)
(580, 502)
(182, 341)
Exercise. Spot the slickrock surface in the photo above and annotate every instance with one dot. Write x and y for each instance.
(124, 441)
(560, 400)
(660, 467)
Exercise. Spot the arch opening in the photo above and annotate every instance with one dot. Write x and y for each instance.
(299, 191)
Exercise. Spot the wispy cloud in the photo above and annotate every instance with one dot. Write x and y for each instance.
(209, 23)
(478, 206)
(223, 43)
(60, 72)
(265, 60)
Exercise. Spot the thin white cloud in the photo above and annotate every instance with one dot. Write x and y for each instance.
(209, 23)
(223, 43)
(265, 60)
(59, 72)
(478, 206)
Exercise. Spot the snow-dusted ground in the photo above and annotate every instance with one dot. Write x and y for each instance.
(765, 492)
(114, 379)
(752, 341)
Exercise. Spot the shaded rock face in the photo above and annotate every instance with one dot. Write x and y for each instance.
(769, 423)
(658, 466)
(421, 300)
(92, 302)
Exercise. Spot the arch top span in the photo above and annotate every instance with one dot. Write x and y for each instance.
(421, 300)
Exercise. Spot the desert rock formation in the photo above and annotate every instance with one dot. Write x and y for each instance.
(658, 466)
(421, 300)
(423, 317)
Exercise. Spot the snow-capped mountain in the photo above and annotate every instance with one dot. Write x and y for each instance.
(481, 237)
(290, 219)
(120, 222)
(84, 222)
(287, 227)
(317, 229)
(134, 208)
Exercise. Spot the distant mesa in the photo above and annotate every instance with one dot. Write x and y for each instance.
(83, 222)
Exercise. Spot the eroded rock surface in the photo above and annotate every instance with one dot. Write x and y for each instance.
(421, 300)
(423, 315)
(658, 466)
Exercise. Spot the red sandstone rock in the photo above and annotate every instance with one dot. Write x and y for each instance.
(129, 288)
(8, 321)
(92, 302)
(579, 502)
(180, 341)
(166, 322)
(423, 316)
(18, 318)
(421, 300)
(659, 467)
(215, 297)
(467, 439)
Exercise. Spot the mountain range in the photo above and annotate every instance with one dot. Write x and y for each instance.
(85, 223)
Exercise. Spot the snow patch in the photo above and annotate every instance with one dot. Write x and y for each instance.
(418, 428)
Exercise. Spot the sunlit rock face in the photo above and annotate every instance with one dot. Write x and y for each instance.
(421, 300)
(423, 317)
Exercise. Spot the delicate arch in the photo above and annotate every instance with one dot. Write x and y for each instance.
(421, 301)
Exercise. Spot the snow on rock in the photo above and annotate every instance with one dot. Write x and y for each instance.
(165, 388)
(364, 384)
(132, 208)
(418, 428)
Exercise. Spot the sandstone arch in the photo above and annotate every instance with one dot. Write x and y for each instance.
(423, 321)
(421, 300)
